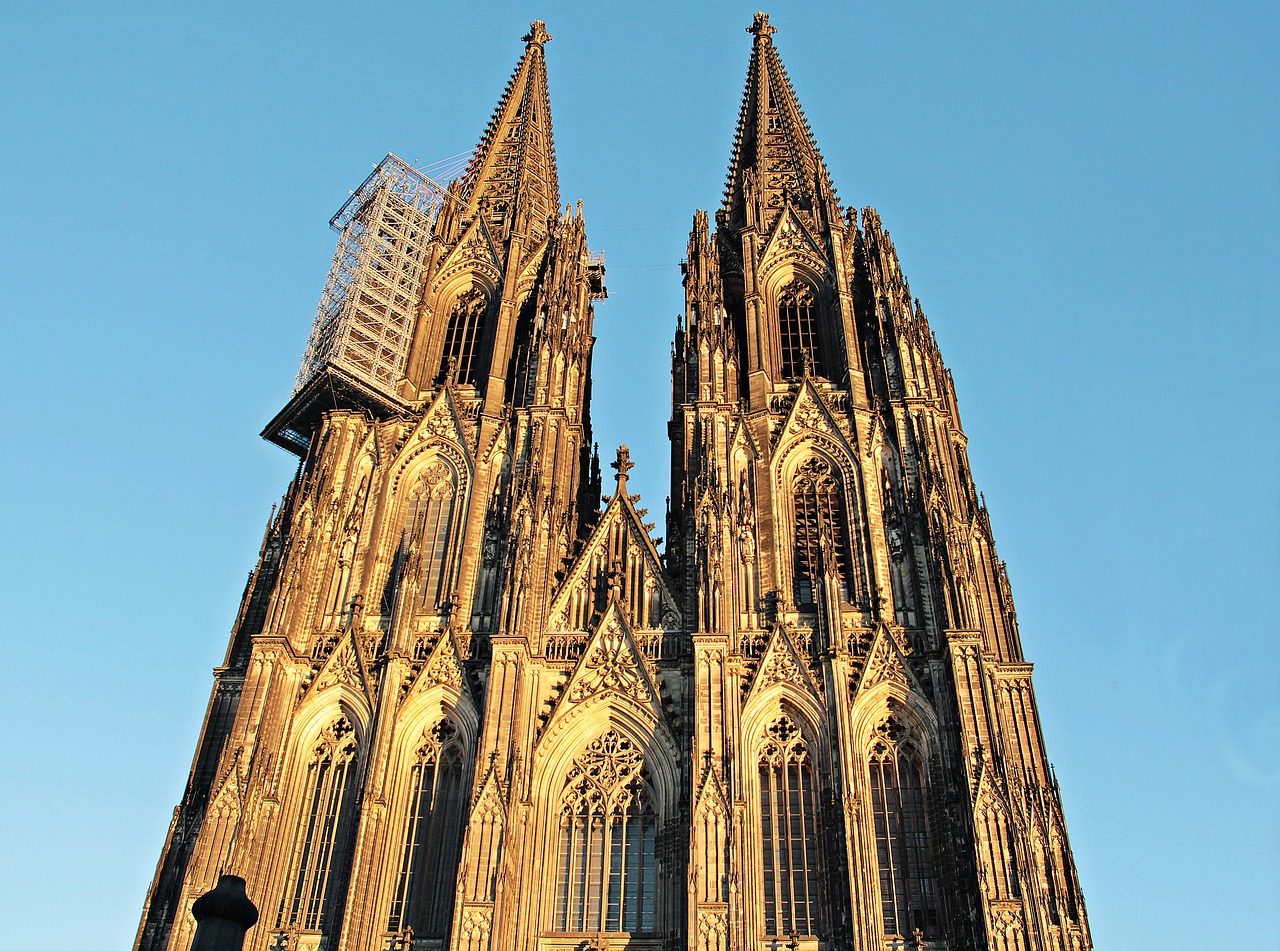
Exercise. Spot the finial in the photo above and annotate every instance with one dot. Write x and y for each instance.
(537, 33)
(622, 464)
(761, 29)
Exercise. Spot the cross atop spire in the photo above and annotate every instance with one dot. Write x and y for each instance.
(761, 28)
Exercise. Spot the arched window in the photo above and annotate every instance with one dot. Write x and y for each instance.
(433, 836)
(314, 895)
(821, 536)
(789, 832)
(798, 329)
(428, 528)
(907, 893)
(608, 834)
(464, 337)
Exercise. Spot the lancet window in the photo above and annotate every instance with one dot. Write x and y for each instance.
(607, 877)
(464, 337)
(821, 535)
(798, 329)
(433, 835)
(789, 832)
(311, 900)
(428, 529)
(907, 890)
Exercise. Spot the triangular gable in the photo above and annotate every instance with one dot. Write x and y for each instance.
(887, 662)
(490, 798)
(344, 667)
(620, 512)
(612, 664)
(443, 668)
(810, 413)
(791, 238)
(711, 796)
(475, 251)
(441, 422)
(782, 663)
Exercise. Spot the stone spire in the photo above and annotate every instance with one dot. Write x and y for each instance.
(775, 158)
(512, 177)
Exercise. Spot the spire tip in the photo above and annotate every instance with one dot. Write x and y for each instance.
(761, 28)
(537, 33)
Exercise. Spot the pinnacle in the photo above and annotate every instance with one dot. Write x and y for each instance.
(537, 34)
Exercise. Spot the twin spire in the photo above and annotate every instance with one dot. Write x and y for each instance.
(775, 159)
(513, 179)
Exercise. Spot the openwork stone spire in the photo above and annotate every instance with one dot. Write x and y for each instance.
(775, 158)
(513, 176)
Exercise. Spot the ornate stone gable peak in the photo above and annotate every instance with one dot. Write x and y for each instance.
(811, 414)
(440, 423)
(886, 661)
(711, 797)
(781, 663)
(611, 663)
(594, 568)
(491, 799)
(792, 239)
(443, 668)
(344, 667)
(474, 250)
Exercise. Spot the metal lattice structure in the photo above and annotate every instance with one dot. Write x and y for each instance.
(364, 324)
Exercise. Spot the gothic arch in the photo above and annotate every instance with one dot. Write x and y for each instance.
(429, 793)
(895, 738)
(556, 770)
(327, 750)
(785, 758)
(808, 466)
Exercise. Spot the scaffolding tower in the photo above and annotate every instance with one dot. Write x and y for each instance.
(364, 324)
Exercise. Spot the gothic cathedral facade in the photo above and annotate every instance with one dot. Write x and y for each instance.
(468, 704)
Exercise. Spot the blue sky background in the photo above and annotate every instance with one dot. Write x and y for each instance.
(1085, 199)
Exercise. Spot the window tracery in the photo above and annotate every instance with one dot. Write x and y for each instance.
(428, 528)
(907, 889)
(463, 337)
(311, 900)
(789, 832)
(608, 833)
(797, 325)
(821, 533)
(426, 884)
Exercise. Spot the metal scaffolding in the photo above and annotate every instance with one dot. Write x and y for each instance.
(364, 324)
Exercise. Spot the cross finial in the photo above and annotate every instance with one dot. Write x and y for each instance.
(537, 33)
(760, 27)
(623, 464)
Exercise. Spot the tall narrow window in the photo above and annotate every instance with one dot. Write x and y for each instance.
(821, 537)
(428, 532)
(433, 836)
(797, 325)
(464, 337)
(789, 832)
(314, 895)
(907, 895)
(608, 835)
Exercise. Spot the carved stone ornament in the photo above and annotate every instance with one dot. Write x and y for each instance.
(611, 664)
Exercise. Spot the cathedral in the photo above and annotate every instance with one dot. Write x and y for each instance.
(470, 703)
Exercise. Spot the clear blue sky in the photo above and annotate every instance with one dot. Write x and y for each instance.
(1085, 199)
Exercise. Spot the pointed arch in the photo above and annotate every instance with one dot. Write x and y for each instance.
(324, 805)
(799, 335)
(820, 538)
(428, 527)
(897, 745)
(606, 873)
(785, 760)
(433, 818)
(464, 337)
